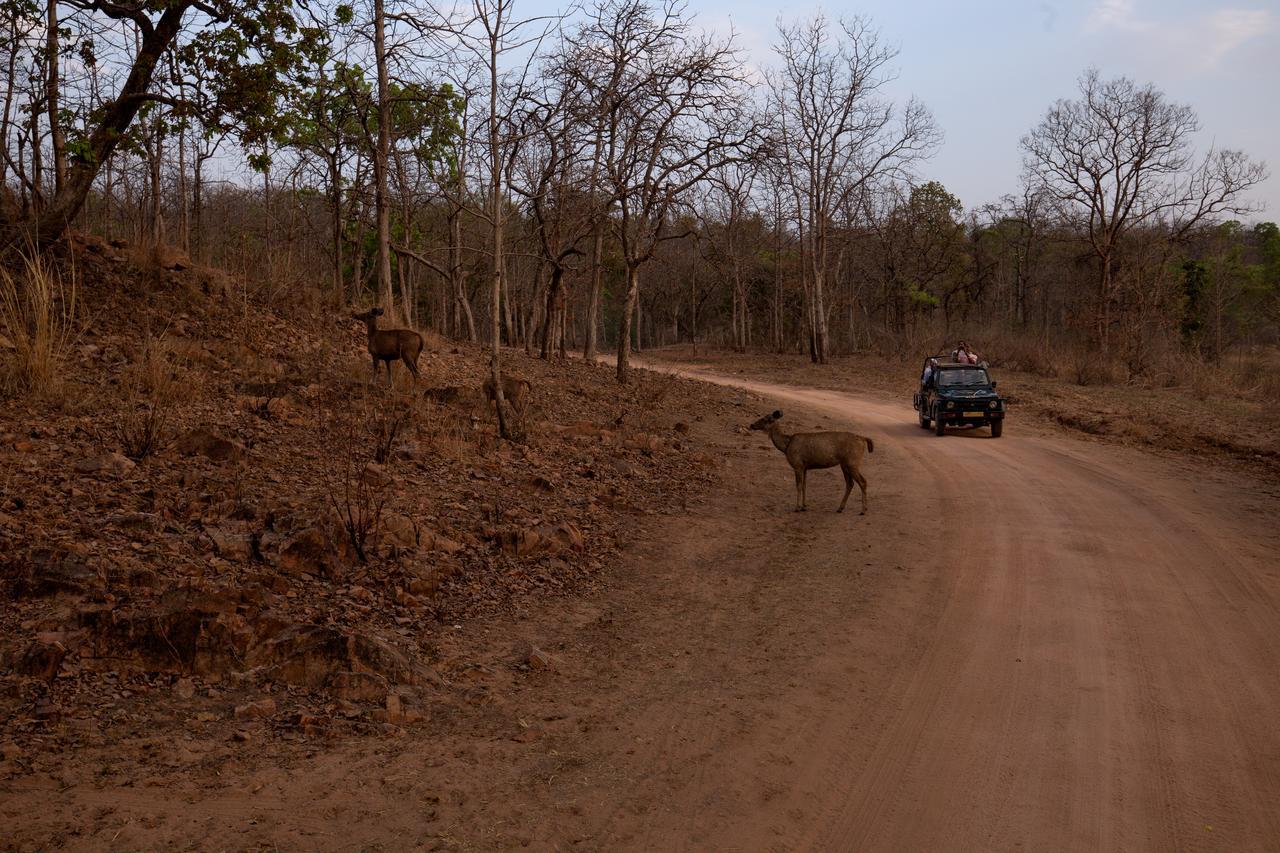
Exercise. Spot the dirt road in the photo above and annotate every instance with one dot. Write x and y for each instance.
(1027, 644)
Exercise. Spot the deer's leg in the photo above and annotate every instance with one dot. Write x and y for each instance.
(848, 484)
(389, 382)
(799, 490)
(862, 484)
(375, 367)
(412, 364)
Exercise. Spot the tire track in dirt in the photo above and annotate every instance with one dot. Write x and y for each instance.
(1102, 677)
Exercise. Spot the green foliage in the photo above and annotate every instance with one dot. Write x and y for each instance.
(921, 299)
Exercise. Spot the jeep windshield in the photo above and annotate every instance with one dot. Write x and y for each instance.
(963, 376)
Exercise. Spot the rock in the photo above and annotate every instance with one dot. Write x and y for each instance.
(310, 655)
(10, 751)
(201, 442)
(242, 736)
(47, 711)
(311, 725)
(110, 464)
(6, 343)
(137, 522)
(682, 427)
(519, 542)
(51, 572)
(313, 551)
(527, 735)
(438, 542)
(260, 710)
(189, 629)
(359, 686)
(538, 659)
(399, 530)
(41, 660)
(184, 688)
(424, 587)
(405, 599)
(230, 545)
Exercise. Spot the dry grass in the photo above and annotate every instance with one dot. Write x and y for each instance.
(152, 386)
(38, 322)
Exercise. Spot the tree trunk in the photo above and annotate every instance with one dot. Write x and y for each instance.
(624, 324)
(592, 320)
(57, 139)
(46, 226)
(380, 157)
(335, 200)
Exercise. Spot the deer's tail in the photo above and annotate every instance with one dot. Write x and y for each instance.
(871, 445)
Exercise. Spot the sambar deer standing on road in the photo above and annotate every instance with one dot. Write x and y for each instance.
(807, 451)
(391, 344)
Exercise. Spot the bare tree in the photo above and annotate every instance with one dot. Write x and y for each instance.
(675, 112)
(837, 133)
(1120, 157)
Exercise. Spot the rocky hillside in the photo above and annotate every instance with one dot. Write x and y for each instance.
(219, 517)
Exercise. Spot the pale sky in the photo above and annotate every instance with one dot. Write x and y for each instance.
(989, 69)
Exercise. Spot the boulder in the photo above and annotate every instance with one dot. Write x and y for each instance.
(310, 655)
(41, 660)
(260, 710)
(314, 551)
(202, 442)
(107, 464)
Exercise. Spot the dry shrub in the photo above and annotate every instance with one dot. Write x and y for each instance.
(357, 491)
(152, 386)
(37, 319)
(445, 430)
(1021, 352)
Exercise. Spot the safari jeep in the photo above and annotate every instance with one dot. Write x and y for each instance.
(959, 395)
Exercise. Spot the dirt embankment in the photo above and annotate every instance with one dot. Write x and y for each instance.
(221, 528)
(1230, 424)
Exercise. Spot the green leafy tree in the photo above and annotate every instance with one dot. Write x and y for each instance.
(243, 52)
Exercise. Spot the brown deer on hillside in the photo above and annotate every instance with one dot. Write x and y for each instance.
(515, 391)
(391, 344)
(813, 450)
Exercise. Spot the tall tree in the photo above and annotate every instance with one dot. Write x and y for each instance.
(838, 133)
(241, 48)
(676, 112)
(1120, 158)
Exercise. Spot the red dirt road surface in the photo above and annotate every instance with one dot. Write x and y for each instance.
(1028, 643)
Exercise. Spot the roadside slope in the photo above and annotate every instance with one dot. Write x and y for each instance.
(1029, 643)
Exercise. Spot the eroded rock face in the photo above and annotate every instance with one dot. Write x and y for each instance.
(215, 630)
(50, 572)
(314, 655)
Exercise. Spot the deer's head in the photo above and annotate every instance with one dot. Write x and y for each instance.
(767, 421)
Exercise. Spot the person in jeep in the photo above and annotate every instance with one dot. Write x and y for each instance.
(964, 355)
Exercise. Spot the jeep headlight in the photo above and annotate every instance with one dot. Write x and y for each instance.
(951, 404)
(994, 404)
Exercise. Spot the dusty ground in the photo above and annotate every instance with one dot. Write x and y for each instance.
(1028, 643)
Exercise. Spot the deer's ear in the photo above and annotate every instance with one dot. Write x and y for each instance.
(377, 312)
(777, 414)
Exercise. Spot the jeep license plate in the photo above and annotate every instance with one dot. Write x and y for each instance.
(973, 414)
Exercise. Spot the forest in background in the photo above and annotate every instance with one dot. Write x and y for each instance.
(617, 179)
